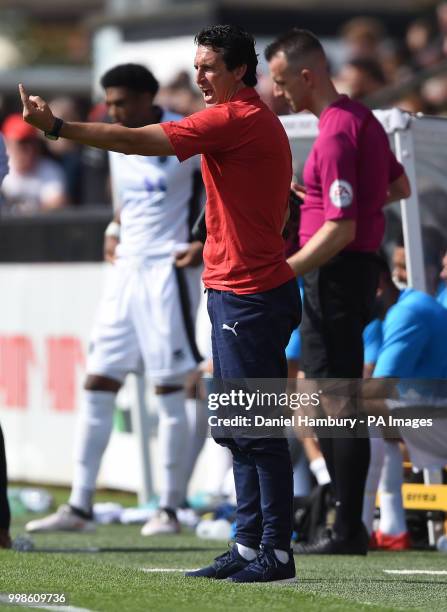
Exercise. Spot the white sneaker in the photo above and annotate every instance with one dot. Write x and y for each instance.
(64, 519)
(162, 523)
(187, 517)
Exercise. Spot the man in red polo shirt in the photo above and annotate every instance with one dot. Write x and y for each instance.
(349, 176)
(252, 298)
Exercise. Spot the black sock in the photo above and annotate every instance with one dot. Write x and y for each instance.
(170, 512)
(347, 461)
(88, 516)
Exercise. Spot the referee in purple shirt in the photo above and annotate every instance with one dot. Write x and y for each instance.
(349, 176)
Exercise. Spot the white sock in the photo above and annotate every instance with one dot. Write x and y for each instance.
(372, 482)
(281, 555)
(392, 514)
(197, 416)
(92, 436)
(249, 554)
(319, 470)
(172, 441)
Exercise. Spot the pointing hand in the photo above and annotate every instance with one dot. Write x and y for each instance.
(36, 111)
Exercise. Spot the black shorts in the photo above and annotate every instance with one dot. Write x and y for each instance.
(339, 299)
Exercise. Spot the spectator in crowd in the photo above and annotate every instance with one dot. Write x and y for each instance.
(67, 153)
(5, 514)
(424, 47)
(426, 43)
(434, 92)
(421, 44)
(361, 77)
(96, 186)
(441, 13)
(363, 37)
(34, 183)
(4, 162)
(412, 102)
(393, 61)
(179, 96)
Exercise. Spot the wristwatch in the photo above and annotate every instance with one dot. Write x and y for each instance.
(53, 134)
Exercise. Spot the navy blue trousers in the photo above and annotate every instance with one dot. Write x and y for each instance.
(249, 337)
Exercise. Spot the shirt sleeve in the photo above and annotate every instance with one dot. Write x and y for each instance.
(404, 340)
(372, 340)
(211, 130)
(337, 163)
(396, 168)
(4, 166)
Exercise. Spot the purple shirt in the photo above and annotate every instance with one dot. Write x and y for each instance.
(347, 174)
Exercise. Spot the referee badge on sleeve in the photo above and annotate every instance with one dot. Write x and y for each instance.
(341, 193)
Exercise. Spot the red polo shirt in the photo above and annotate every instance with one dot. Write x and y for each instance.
(247, 169)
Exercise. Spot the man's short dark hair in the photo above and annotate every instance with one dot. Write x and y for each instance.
(134, 77)
(295, 44)
(433, 245)
(237, 46)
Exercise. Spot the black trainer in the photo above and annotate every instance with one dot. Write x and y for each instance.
(330, 544)
(224, 566)
(267, 568)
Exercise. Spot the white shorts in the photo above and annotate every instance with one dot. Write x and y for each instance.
(146, 320)
(427, 446)
(203, 328)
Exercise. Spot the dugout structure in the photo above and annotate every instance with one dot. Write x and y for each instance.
(419, 143)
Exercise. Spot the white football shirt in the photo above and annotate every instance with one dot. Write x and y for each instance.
(152, 194)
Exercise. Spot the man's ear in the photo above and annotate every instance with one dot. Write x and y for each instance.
(239, 72)
(148, 98)
(307, 76)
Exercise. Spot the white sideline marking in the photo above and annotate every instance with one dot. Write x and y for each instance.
(154, 570)
(409, 572)
(5, 599)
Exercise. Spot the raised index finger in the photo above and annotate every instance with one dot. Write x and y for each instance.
(23, 96)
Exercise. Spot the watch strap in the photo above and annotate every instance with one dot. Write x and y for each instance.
(53, 134)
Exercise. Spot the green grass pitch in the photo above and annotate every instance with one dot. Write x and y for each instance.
(118, 581)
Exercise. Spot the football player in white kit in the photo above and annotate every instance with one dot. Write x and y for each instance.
(147, 313)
